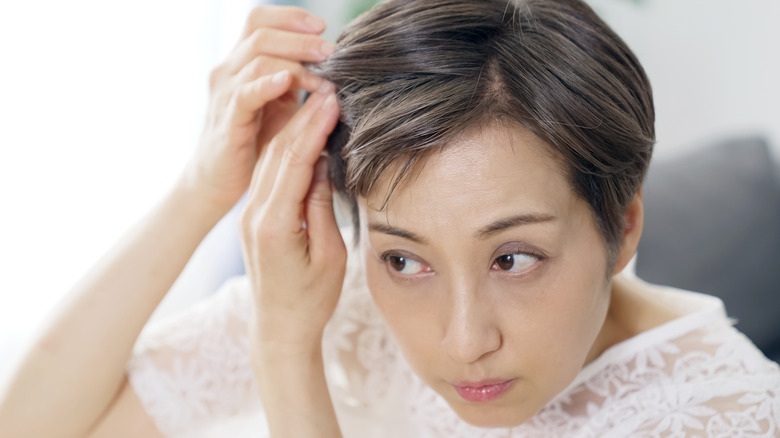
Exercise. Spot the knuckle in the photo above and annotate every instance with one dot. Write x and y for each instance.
(235, 100)
(250, 69)
(258, 66)
(255, 227)
(257, 86)
(215, 77)
(292, 156)
(256, 14)
(321, 198)
(276, 147)
(268, 236)
(259, 38)
(309, 44)
(246, 224)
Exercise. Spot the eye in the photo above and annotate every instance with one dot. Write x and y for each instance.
(404, 265)
(518, 262)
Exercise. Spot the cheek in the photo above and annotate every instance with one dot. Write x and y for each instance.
(570, 320)
(410, 313)
(566, 321)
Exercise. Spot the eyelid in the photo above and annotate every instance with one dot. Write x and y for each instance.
(519, 248)
(400, 253)
(384, 257)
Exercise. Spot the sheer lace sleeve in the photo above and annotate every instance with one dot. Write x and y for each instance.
(720, 387)
(192, 371)
(712, 382)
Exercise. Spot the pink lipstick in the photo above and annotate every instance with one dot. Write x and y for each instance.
(483, 391)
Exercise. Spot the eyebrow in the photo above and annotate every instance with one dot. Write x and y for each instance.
(395, 231)
(483, 233)
(513, 221)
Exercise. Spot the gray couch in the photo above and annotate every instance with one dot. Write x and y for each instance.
(712, 224)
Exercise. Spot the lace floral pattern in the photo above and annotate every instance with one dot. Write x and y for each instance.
(693, 377)
(194, 369)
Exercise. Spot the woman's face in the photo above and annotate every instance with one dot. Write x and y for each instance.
(490, 273)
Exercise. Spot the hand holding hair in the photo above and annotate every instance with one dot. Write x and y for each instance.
(295, 259)
(253, 93)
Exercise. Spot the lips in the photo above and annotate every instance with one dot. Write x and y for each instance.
(483, 391)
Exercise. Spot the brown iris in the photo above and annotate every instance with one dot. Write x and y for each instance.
(397, 263)
(506, 262)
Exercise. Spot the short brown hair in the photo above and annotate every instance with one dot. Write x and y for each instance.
(413, 75)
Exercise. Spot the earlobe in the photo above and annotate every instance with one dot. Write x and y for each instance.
(632, 231)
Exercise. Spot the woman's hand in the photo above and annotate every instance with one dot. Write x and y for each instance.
(295, 259)
(253, 94)
(293, 250)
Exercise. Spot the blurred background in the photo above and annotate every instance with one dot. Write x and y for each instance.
(101, 103)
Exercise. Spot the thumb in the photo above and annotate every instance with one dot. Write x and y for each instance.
(324, 235)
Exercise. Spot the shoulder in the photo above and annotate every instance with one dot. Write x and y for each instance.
(709, 382)
(722, 385)
(695, 375)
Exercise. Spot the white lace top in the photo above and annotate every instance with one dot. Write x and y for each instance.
(695, 376)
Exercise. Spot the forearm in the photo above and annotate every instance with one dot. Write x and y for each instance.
(295, 394)
(72, 372)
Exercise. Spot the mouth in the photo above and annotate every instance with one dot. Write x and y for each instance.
(484, 390)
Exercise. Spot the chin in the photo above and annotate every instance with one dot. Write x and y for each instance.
(491, 416)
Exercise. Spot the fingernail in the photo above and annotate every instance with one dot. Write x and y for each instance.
(314, 24)
(321, 172)
(330, 101)
(327, 48)
(280, 77)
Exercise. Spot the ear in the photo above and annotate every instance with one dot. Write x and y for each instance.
(632, 231)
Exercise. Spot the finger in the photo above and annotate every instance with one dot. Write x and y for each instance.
(266, 172)
(293, 46)
(289, 18)
(275, 117)
(265, 65)
(323, 231)
(252, 96)
(297, 167)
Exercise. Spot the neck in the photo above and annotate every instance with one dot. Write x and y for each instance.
(630, 312)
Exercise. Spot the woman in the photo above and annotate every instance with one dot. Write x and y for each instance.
(493, 154)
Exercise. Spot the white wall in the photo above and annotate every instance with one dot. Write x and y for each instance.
(714, 65)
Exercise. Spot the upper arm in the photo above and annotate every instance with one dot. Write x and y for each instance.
(125, 417)
(718, 410)
(191, 371)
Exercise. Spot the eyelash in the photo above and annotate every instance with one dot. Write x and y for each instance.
(538, 258)
(386, 259)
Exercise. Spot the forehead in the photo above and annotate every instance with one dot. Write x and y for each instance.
(496, 170)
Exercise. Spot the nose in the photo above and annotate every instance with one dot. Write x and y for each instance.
(472, 330)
